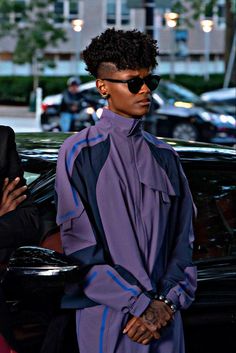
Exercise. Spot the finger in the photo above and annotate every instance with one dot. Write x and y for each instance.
(17, 192)
(147, 340)
(11, 185)
(130, 324)
(152, 327)
(146, 335)
(16, 202)
(142, 330)
(133, 330)
(156, 335)
(164, 323)
(5, 182)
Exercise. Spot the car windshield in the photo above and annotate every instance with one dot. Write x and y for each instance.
(30, 177)
(172, 92)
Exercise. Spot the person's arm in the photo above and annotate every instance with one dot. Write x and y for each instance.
(178, 285)
(19, 220)
(105, 283)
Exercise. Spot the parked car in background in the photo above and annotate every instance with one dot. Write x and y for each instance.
(168, 117)
(223, 96)
(220, 101)
(179, 113)
(35, 277)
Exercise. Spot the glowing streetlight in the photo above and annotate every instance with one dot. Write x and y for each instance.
(207, 26)
(171, 21)
(77, 25)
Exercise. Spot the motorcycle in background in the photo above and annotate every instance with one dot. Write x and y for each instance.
(88, 114)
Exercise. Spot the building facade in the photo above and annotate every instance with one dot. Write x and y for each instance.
(182, 49)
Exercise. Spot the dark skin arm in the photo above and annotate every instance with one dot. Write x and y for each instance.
(11, 196)
(147, 327)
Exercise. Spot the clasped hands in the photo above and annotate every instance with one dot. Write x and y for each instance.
(147, 327)
(11, 195)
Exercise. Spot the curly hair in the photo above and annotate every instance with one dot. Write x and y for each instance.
(126, 49)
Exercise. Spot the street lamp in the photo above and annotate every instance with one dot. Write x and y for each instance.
(77, 25)
(207, 26)
(171, 21)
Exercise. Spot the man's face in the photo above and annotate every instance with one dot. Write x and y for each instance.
(123, 102)
(74, 88)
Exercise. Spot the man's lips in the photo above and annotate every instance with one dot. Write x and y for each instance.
(145, 101)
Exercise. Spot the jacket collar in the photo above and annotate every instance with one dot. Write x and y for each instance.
(128, 126)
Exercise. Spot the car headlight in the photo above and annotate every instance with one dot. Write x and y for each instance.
(218, 118)
(228, 119)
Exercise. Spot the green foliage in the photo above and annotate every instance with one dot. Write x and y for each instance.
(196, 7)
(34, 29)
(197, 84)
(16, 90)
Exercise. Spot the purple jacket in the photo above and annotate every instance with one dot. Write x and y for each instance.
(125, 210)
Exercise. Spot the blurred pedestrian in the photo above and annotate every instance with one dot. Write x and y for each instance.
(70, 105)
(125, 211)
(19, 220)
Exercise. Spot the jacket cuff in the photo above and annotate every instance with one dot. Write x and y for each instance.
(137, 305)
(173, 297)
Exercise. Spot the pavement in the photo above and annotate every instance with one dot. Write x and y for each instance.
(19, 118)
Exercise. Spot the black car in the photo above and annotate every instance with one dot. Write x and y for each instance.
(175, 112)
(35, 277)
(179, 113)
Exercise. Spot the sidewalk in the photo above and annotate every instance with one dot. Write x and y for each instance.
(19, 118)
(7, 111)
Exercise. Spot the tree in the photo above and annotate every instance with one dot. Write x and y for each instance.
(200, 7)
(31, 23)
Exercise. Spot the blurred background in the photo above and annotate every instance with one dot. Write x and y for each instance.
(41, 43)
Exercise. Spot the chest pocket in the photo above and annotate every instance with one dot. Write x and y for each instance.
(155, 177)
(165, 197)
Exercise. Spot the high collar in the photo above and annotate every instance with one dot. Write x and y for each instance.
(128, 126)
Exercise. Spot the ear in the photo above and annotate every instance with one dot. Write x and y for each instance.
(101, 86)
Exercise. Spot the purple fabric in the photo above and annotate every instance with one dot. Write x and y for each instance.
(133, 193)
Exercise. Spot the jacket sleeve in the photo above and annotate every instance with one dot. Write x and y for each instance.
(180, 279)
(21, 226)
(104, 283)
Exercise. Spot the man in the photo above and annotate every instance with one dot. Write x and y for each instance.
(70, 105)
(125, 211)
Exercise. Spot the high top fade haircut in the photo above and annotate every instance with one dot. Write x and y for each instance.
(125, 49)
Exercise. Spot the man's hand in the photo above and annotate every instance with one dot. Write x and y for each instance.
(138, 332)
(145, 328)
(12, 196)
(157, 315)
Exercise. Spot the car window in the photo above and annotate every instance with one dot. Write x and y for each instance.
(92, 94)
(30, 177)
(214, 193)
(171, 92)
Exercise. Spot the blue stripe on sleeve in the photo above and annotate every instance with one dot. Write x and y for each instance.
(89, 279)
(132, 290)
(102, 329)
(74, 148)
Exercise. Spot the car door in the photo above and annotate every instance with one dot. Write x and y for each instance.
(212, 317)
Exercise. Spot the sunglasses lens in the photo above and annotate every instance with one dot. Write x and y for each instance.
(152, 82)
(135, 84)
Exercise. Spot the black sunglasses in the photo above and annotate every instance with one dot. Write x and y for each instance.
(134, 84)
